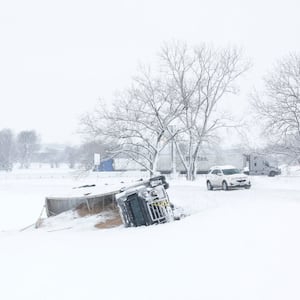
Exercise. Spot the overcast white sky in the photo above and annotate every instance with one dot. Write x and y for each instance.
(58, 57)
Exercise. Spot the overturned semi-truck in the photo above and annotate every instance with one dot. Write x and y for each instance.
(144, 202)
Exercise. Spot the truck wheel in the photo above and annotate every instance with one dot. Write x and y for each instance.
(224, 186)
(209, 186)
(247, 187)
(272, 174)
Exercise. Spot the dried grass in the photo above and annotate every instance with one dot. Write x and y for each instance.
(83, 210)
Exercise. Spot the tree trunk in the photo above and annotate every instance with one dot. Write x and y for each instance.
(153, 165)
(191, 173)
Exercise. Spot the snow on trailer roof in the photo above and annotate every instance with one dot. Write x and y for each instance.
(87, 191)
(225, 167)
(91, 190)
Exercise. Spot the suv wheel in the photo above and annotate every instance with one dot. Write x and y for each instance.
(272, 174)
(224, 186)
(209, 186)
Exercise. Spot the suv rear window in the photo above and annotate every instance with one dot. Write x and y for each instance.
(231, 171)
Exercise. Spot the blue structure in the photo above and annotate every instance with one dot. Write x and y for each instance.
(105, 166)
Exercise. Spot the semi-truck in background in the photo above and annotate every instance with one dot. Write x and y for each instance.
(255, 164)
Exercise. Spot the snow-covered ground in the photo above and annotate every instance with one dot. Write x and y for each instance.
(242, 244)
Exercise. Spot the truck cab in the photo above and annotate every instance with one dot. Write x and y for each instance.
(259, 165)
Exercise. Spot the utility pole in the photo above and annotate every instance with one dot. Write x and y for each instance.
(173, 152)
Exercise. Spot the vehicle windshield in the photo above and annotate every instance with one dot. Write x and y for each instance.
(231, 171)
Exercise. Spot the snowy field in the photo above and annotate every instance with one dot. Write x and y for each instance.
(242, 244)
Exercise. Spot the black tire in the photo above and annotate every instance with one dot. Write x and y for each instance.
(224, 186)
(272, 174)
(209, 186)
(247, 187)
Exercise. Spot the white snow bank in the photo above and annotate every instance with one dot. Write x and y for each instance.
(290, 170)
(241, 244)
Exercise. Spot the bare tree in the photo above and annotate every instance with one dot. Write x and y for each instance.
(138, 120)
(70, 155)
(7, 149)
(279, 106)
(54, 156)
(200, 78)
(183, 94)
(26, 145)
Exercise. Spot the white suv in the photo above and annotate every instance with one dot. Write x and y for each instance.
(226, 177)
